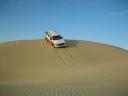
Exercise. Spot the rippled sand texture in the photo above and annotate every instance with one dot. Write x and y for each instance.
(83, 68)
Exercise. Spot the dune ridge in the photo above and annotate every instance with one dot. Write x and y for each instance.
(32, 67)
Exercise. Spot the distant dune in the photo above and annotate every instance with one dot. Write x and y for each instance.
(83, 68)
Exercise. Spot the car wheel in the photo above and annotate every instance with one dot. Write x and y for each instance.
(54, 46)
(46, 40)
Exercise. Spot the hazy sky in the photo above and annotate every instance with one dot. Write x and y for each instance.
(104, 21)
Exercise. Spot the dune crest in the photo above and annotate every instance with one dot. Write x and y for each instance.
(81, 64)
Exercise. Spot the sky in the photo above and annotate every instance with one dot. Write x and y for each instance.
(103, 21)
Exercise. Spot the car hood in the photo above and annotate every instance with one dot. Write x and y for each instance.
(58, 41)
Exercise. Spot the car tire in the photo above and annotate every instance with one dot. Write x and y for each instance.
(53, 45)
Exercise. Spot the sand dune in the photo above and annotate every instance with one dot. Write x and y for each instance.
(83, 68)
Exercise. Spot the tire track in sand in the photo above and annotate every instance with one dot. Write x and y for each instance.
(71, 57)
(69, 54)
(70, 60)
(43, 43)
(61, 58)
(66, 57)
(74, 58)
(64, 54)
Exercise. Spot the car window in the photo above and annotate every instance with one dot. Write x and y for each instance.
(46, 33)
(57, 37)
(49, 35)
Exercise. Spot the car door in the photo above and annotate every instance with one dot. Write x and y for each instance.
(50, 39)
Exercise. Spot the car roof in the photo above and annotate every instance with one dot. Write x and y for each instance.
(53, 33)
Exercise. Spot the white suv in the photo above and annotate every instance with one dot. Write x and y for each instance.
(55, 39)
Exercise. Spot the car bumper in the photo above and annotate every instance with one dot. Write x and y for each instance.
(60, 45)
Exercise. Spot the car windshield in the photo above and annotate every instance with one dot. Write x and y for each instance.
(57, 37)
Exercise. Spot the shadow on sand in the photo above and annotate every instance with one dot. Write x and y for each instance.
(71, 43)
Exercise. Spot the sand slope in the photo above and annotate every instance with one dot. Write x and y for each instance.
(34, 68)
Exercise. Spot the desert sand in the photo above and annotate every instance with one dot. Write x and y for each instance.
(83, 68)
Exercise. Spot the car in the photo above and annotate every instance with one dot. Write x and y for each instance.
(55, 39)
